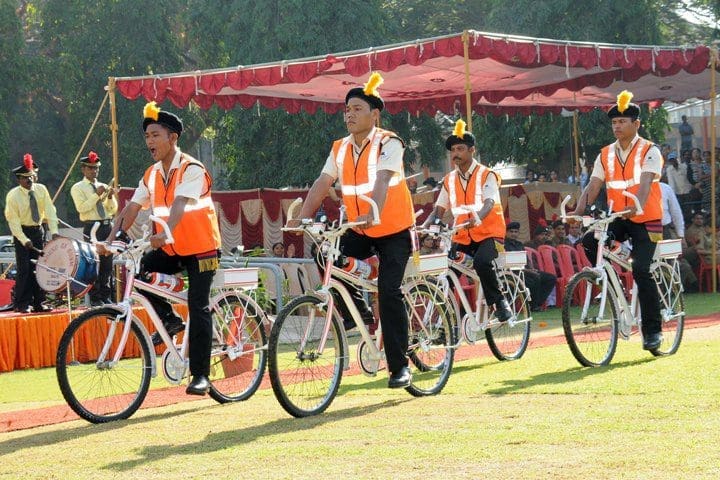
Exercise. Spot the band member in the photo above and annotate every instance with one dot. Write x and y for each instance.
(177, 188)
(369, 161)
(634, 164)
(25, 208)
(475, 186)
(96, 203)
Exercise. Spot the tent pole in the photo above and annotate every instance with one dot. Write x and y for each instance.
(81, 149)
(577, 146)
(468, 87)
(713, 159)
(113, 130)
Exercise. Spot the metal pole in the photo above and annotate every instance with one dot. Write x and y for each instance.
(713, 142)
(468, 86)
(577, 146)
(113, 129)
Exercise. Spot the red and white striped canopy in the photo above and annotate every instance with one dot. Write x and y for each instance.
(507, 75)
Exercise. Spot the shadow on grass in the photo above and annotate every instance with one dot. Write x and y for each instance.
(562, 377)
(56, 437)
(224, 440)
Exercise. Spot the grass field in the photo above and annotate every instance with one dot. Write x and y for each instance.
(540, 417)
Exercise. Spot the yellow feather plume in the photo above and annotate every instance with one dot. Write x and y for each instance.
(372, 85)
(151, 110)
(459, 128)
(623, 100)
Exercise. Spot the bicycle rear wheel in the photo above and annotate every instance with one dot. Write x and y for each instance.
(590, 333)
(431, 339)
(304, 379)
(239, 352)
(672, 308)
(100, 391)
(509, 340)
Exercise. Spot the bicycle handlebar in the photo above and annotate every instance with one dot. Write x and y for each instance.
(165, 227)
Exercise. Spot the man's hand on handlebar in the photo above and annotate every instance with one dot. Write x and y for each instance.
(632, 211)
(367, 219)
(158, 240)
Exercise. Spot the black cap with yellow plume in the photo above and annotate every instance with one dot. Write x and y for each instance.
(368, 92)
(624, 108)
(153, 114)
(459, 135)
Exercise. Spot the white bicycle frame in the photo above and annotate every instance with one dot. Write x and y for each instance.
(629, 314)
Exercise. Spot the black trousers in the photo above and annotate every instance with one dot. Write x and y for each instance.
(643, 250)
(483, 253)
(27, 291)
(540, 285)
(200, 331)
(393, 252)
(101, 289)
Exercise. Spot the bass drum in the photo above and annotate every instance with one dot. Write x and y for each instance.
(67, 260)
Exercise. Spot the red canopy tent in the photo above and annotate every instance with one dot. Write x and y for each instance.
(485, 72)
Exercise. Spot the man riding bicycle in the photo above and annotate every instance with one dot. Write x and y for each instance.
(634, 164)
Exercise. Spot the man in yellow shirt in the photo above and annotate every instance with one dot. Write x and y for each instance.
(25, 208)
(96, 202)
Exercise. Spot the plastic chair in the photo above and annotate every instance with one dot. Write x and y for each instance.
(569, 261)
(534, 259)
(704, 273)
(582, 256)
(551, 262)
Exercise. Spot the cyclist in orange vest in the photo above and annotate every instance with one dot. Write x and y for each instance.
(634, 164)
(369, 161)
(177, 188)
(474, 185)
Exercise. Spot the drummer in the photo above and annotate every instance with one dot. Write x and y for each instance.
(25, 207)
(96, 202)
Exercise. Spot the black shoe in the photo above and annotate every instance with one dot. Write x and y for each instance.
(40, 308)
(97, 302)
(198, 386)
(25, 309)
(652, 341)
(173, 327)
(502, 311)
(400, 379)
(367, 318)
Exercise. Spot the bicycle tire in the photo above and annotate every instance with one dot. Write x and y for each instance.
(431, 346)
(304, 381)
(510, 341)
(239, 354)
(102, 393)
(672, 303)
(592, 340)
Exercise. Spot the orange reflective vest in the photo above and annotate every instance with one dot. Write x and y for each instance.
(197, 232)
(359, 179)
(619, 177)
(493, 225)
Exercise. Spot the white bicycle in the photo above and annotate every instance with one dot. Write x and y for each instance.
(592, 328)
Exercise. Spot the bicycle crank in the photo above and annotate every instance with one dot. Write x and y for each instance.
(173, 369)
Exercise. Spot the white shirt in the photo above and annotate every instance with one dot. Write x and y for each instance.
(191, 185)
(653, 160)
(671, 210)
(678, 179)
(391, 155)
(489, 189)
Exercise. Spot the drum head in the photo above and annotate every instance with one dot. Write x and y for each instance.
(58, 264)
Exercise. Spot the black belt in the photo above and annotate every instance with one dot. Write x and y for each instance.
(90, 223)
(31, 226)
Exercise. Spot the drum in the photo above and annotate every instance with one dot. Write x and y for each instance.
(67, 260)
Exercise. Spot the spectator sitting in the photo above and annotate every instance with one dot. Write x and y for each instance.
(290, 251)
(542, 178)
(541, 236)
(692, 238)
(559, 236)
(529, 176)
(674, 227)
(428, 245)
(539, 283)
(278, 249)
(575, 233)
(554, 176)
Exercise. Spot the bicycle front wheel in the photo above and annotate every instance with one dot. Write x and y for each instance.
(239, 351)
(305, 373)
(431, 337)
(672, 308)
(95, 387)
(591, 333)
(509, 340)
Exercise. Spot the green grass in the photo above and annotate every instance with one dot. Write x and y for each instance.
(540, 417)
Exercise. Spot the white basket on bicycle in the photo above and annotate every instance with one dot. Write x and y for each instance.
(511, 260)
(668, 248)
(432, 264)
(244, 278)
